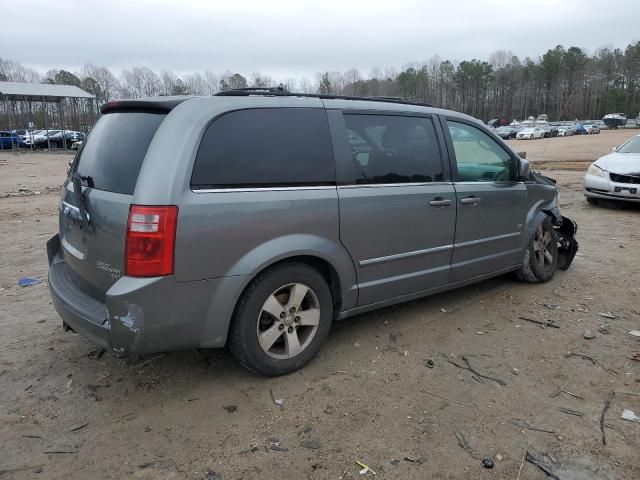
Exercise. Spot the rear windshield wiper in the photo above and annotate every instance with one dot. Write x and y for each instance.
(76, 179)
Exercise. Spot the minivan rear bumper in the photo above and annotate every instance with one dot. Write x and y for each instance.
(145, 315)
(79, 311)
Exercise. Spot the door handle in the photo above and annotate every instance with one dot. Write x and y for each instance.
(471, 201)
(440, 202)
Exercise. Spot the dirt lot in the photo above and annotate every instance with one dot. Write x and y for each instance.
(66, 411)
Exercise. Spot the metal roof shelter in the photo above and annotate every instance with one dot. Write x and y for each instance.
(15, 92)
(41, 91)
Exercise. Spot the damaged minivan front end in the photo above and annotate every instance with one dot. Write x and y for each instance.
(565, 228)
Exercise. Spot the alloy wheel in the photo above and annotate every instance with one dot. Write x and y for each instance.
(288, 321)
(542, 247)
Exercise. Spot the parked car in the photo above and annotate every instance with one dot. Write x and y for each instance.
(566, 130)
(580, 129)
(262, 244)
(616, 176)
(8, 140)
(530, 133)
(65, 138)
(506, 133)
(40, 138)
(591, 129)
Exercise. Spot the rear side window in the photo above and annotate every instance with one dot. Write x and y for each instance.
(275, 147)
(392, 149)
(115, 148)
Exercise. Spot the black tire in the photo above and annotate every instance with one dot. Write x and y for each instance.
(537, 267)
(250, 316)
(592, 201)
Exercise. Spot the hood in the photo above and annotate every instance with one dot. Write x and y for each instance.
(621, 163)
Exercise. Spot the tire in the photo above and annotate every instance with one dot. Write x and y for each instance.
(277, 355)
(592, 201)
(537, 266)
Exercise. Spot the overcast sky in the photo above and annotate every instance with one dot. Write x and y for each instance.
(299, 38)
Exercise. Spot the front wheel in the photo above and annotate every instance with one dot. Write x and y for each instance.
(281, 320)
(541, 258)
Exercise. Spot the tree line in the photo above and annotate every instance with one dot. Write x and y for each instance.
(564, 83)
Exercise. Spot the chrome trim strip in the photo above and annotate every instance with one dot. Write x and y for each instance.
(381, 185)
(398, 256)
(261, 189)
(488, 239)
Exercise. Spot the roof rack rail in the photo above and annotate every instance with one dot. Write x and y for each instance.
(281, 92)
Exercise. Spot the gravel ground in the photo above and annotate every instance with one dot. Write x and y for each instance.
(384, 390)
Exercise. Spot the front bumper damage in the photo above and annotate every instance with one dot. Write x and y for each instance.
(567, 243)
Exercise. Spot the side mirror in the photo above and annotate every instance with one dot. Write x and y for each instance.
(614, 149)
(524, 170)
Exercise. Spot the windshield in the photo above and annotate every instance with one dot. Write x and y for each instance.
(631, 146)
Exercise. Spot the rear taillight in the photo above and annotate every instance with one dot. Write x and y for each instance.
(151, 236)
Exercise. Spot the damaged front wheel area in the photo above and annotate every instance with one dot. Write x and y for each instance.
(550, 247)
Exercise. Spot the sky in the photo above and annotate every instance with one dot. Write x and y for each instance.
(287, 39)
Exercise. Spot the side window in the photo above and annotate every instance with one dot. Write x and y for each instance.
(478, 156)
(270, 147)
(392, 149)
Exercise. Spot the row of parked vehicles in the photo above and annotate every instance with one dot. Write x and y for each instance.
(531, 130)
(24, 138)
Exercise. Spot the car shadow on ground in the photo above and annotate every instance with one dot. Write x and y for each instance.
(215, 365)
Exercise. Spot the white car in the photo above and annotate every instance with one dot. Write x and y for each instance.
(615, 176)
(530, 133)
(566, 131)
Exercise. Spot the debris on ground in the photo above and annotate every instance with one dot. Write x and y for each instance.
(607, 404)
(546, 323)
(570, 411)
(419, 461)
(635, 333)
(591, 359)
(365, 468)
(231, 408)
(464, 444)
(78, 427)
(449, 400)
(21, 192)
(487, 463)
(29, 281)
(429, 363)
(528, 426)
(277, 401)
(548, 469)
(609, 315)
(472, 370)
(568, 393)
(605, 329)
(630, 416)
(588, 334)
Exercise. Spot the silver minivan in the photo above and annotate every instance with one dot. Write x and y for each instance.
(255, 218)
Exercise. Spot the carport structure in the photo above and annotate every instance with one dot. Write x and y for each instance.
(18, 99)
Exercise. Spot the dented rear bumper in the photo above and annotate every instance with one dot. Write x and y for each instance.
(143, 315)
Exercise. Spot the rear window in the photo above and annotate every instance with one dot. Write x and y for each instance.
(266, 148)
(115, 148)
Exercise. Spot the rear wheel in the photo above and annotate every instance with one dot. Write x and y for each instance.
(541, 258)
(281, 320)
